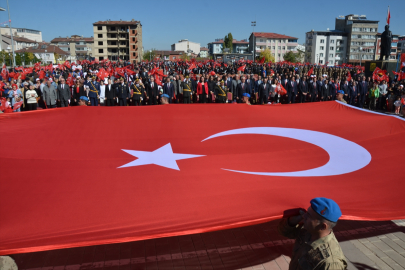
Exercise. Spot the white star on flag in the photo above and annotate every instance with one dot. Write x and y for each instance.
(163, 156)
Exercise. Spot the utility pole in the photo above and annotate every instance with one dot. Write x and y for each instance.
(254, 41)
(11, 33)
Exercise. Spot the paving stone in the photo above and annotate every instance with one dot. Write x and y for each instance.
(382, 246)
(375, 250)
(393, 245)
(396, 257)
(391, 263)
(380, 263)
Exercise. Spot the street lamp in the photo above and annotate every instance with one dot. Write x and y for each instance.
(11, 33)
(9, 51)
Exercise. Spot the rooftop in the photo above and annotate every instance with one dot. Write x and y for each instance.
(20, 39)
(132, 22)
(272, 35)
(169, 52)
(19, 28)
(203, 49)
(73, 38)
(43, 49)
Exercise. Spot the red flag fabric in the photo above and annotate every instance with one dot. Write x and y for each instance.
(310, 71)
(102, 73)
(41, 74)
(242, 68)
(388, 15)
(49, 67)
(380, 75)
(192, 66)
(261, 61)
(184, 177)
(280, 89)
(67, 64)
(37, 66)
(4, 72)
(349, 76)
(403, 60)
(69, 80)
(27, 70)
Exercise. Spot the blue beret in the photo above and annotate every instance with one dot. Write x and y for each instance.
(165, 95)
(326, 208)
(341, 92)
(246, 95)
(84, 98)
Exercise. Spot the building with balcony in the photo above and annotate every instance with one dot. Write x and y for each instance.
(238, 46)
(31, 34)
(116, 40)
(203, 52)
(401, 45)
(47, 53)
(168, 55)
(361, 36)
(19, 42)
(394, 55)
(325, 47)
(277, 43)
(78, 47)
(186, 46)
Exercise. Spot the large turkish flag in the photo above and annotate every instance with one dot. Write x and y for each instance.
(93, 175)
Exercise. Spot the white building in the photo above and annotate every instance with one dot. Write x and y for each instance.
(186, 46)
(326, 47)
(47, 53)
(204, 52)
(34, 35)
(19, 42)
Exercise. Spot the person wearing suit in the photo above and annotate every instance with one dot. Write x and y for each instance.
(144, 75)
(313, 90)
(168, 89)
(363, 91)
(123, 93)
(353, 92)
(345, 87)
(292, 90)
(234, 88)
(50, 95)
(152, 92)
(319, 88)
(303, 86)
(264, 90)
(94, 91)
(242, 88)
(110, 93)
(78, 91)
(325, 90)
(63, 93)
(202, 90)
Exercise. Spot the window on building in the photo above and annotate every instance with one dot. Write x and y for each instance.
(133, 32)
(99, 28)
(321, 61)
(279, 47)
(331, 55)
(273, 54)
(331, 62)
(133, 39)
(283, 47)
(133, 54)
(112, 28)
(100, 35)
(322, 41)
(133, 47)
(331, 48)
(261, 40)
(100, 43)
(278, 55)
(332, 41)
(113, 36)
(321, 55)
(393, 50)
(321, 48)
(274, 47)
(100, 51)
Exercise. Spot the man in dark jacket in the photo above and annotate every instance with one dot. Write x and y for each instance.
(123, 93)
(110, 93)
(152, 92)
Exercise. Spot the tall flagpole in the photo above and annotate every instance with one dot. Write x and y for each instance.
(11, 33)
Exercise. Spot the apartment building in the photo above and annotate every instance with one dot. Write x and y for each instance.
(115, 40)
(79, 47)
(186, 46)
(325, 47)
(395, 51)
(277, 43)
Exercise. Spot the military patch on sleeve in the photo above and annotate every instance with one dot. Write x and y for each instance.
(315, 256)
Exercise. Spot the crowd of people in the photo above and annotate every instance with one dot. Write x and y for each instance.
(109, 83)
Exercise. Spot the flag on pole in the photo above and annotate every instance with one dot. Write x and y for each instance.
(388, 15)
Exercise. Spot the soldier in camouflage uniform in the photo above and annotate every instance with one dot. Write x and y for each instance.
(316, 246)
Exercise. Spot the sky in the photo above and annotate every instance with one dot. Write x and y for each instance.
(166, 22)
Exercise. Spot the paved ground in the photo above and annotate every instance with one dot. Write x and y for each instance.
(366, 244)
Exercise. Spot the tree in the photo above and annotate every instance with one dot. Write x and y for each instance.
(292, 57)
(228, 42)
(184, 57)
(268, 56)
(149, 55)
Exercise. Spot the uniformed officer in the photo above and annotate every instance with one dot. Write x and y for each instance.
(187, 90)
(221, 92)
(316, 246)
(123, 93)
(137, 93)
(94, 91)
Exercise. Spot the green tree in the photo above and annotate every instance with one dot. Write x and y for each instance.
(268, 57)
(292, 57)
(228, 42)
(184, 57)
(149, 55)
